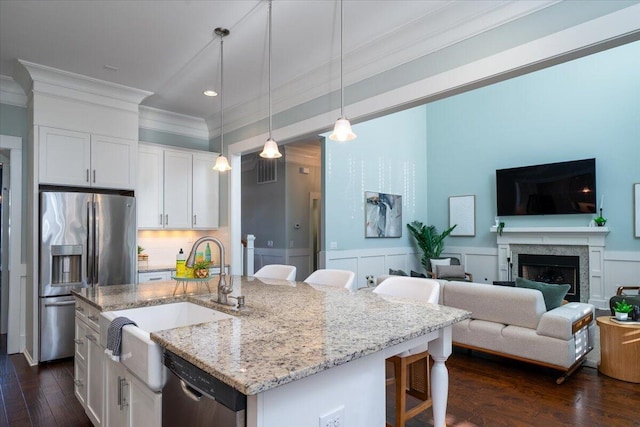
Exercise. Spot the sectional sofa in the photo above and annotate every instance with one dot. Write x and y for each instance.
(515, 323)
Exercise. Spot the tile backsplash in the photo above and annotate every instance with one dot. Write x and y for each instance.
(162, 246)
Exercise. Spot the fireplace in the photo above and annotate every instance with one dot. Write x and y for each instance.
(552, 269)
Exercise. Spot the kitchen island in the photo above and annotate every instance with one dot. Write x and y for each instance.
(300, 351)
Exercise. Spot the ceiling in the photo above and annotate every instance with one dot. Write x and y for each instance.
(168, 47)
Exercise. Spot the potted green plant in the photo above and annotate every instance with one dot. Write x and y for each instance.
(600, 220)
(201, 269)
(430, 242)
(622, 310)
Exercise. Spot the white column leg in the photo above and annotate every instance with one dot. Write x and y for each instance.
(440, 349)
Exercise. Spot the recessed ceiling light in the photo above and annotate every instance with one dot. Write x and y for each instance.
(210, 93)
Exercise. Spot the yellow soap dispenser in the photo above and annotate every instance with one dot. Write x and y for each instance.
(180, 264)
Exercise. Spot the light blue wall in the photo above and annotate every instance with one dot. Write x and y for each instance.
(166, 138)
(586, 108)
(388, 156)
(14, 122)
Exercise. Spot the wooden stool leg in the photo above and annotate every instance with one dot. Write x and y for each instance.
(401, 387)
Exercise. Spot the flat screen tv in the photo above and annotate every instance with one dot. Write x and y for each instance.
(553, 188)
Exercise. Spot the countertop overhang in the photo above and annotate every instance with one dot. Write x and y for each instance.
(288, 330)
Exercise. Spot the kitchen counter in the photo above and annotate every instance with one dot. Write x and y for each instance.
(289, 330)
(157, 268)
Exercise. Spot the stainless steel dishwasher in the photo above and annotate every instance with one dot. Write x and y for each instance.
(194, 398)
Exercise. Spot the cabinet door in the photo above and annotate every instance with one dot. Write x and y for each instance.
(80, 382)
(145, 406)
(113, 162)
(95, 377)
(80, 341)
(205, 191)
(65, 157)
(159, 276)
(116, 409)
(177, 189)
(149, 196)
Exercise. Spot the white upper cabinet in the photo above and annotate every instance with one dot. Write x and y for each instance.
(205, 191)
(113, 162)
(65, 157)
(150, 194)
(73, 158)
(177, 189)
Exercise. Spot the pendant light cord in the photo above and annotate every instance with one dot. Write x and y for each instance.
(222, 94)
(270, 116)
(341, 59)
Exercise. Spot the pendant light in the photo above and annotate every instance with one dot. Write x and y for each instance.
(270, 150)
(222, 164)
(342, 129)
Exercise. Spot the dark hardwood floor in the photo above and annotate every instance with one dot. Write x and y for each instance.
(483, 391)
(492, 391)
(37, 396)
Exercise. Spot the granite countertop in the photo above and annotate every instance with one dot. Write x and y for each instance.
(288, 331)
(157, 268)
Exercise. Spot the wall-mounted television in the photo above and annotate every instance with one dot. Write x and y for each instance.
(553, 188)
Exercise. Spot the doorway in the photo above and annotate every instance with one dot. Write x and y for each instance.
(12, 292)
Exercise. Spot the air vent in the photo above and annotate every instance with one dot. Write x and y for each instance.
(267, 170)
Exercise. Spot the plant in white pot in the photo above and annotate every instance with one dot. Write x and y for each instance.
(430, 242)
(622, 310)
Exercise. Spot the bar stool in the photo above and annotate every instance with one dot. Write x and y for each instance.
(277, 271)
(332, 277)
(415, 361)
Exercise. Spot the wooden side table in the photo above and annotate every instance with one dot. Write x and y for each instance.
(619, 349)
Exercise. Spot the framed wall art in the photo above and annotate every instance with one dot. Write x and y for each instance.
(383, 214)
(462, 211)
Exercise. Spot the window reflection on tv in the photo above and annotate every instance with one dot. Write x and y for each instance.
(553, 188)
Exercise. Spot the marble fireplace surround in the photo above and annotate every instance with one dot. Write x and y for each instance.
(586, 242)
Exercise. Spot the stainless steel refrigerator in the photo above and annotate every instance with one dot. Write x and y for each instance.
(86, 239)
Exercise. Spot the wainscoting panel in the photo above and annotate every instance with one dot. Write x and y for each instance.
(621, 268)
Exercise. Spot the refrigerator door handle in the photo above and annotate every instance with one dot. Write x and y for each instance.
(89, 244)
(96, 248)
(60, 304)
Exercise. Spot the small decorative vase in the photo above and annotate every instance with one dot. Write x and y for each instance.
(622, 316)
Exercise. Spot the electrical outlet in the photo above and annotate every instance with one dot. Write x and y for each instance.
(334, 418)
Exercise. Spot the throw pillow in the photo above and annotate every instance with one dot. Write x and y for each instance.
(450, 271)
(416, 274)
(440, 261)
(552, 294)
(397, 272)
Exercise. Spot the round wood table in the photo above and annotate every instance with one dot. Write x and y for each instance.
(619, 349)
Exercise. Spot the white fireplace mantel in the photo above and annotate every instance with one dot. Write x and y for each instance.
(592, 237)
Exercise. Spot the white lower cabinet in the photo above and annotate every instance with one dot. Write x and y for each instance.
(128, 401)
(156, 276)
(89, 363)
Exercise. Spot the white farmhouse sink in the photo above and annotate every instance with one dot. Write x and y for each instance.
(143, 356)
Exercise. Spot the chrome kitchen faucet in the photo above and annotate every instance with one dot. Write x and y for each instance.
(223, 289)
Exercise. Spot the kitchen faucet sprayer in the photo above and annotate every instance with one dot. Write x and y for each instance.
(223, 289)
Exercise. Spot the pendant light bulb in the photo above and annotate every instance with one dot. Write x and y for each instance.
(270, 150)
(222, 164)
(342, 129)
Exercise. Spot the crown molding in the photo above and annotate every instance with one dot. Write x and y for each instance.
(44, 79)
(167, 121)
(11, 92)
(418, 38)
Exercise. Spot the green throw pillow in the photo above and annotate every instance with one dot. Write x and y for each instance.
(552, 294)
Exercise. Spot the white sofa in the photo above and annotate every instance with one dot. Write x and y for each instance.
(514, 322)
